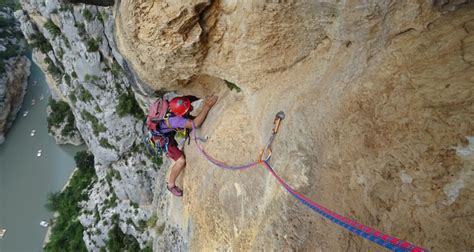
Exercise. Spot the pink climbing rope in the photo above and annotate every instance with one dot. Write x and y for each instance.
(217, 162)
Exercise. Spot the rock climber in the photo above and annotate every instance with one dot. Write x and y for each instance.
(179, 119)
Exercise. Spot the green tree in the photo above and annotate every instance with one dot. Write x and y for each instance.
(84, 160)
(53, 201)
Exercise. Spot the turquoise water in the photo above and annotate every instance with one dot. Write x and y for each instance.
(25, 179)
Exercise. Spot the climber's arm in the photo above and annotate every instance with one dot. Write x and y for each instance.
(208, 104)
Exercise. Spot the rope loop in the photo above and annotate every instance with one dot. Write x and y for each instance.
(377, 237)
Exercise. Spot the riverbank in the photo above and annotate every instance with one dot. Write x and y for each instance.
(66, 231)
(55, 214)
(25, 178)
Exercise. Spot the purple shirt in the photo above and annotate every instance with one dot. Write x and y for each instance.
(175, 122)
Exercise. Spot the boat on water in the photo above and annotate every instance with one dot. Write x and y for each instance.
(2, 232)
(44, 223)
(33, 133)
(41, 97)
(33, 102)
(25, 114)
(39, 153)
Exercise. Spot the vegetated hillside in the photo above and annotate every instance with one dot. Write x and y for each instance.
(379, 103)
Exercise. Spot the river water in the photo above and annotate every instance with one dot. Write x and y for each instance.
(25, 179)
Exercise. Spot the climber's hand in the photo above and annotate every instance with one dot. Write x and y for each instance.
(210, 100)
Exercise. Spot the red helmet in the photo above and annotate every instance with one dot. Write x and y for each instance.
(180, 105)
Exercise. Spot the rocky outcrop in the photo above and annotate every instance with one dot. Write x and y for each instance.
(14, 70)
(73, 139)
(378, 97)
(64, 128)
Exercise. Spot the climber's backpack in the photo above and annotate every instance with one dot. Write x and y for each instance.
(155, 140)
(157, 112)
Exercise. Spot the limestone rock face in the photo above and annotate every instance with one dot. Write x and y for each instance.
(73, 139)
(143, 25)
(12, 90)
(14, 71)
(378, 97)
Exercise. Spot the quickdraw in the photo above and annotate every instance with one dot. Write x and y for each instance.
(267, 151)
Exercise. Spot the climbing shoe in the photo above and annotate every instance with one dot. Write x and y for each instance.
(175, 190)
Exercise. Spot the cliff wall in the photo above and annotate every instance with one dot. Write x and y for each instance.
(379, 103)
(14, 69)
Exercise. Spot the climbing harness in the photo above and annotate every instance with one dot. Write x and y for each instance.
(384, 240)
(155, 145)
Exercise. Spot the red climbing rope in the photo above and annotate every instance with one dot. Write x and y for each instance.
(384, 240)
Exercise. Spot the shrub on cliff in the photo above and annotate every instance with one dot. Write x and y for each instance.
(86, 13)
(232, 86)
(92, 45)
(105, 143)
(102, 16)
(52, 28)
(85, 95)
(128, 105)
(116, 69)
(40, 42)
(55, 71)
(97, 127)
(81, 29)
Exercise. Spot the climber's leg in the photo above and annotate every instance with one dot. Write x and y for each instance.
(176, 169)
(179, 163)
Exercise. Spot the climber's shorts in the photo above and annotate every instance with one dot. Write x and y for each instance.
(173, 151)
